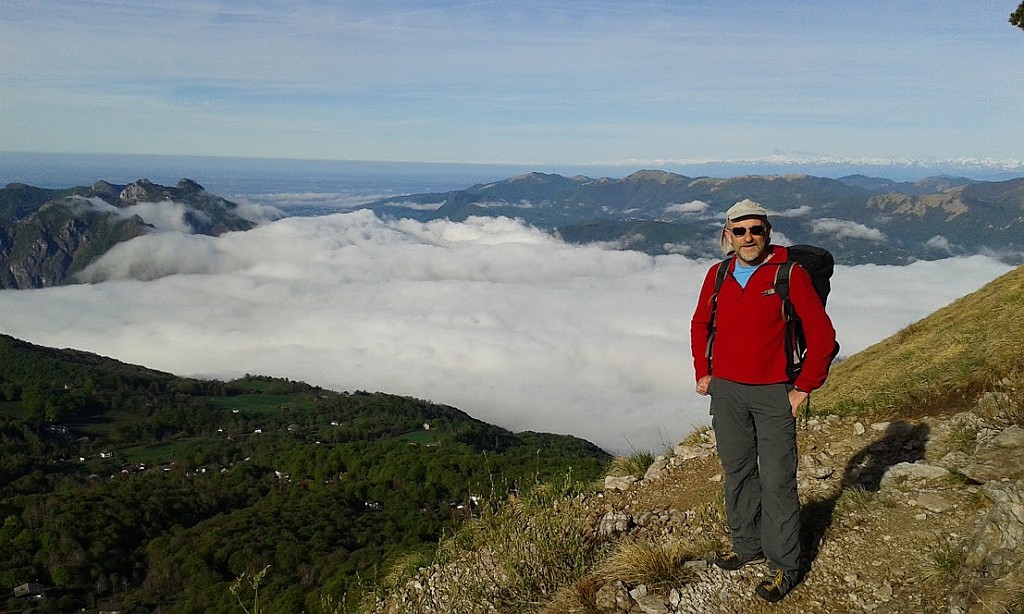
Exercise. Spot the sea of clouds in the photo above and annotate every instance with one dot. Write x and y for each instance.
(501, 320)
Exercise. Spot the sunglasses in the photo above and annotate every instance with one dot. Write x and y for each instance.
(739, 231)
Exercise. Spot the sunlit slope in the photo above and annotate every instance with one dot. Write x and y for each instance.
(955, 353)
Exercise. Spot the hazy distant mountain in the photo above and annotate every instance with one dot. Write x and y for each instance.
(46, 236)
(861, 219)
(922, 186)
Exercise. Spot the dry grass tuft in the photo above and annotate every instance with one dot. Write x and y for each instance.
(854, 499)
(963, 438)
(655, 565)
(944, 564)
(635, 464)
(578, 598)
(699, 434)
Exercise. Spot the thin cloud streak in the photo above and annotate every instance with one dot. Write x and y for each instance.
(503, 321)
(531, 82)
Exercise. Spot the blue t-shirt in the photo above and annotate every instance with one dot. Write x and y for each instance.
(742, 273)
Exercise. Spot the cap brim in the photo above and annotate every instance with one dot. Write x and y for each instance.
(749, 216)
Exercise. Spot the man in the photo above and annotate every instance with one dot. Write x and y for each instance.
(753, 403)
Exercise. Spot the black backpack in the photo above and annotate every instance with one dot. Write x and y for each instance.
(819, 264)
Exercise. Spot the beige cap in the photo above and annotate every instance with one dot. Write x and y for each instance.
(740, 211)
(744, 209)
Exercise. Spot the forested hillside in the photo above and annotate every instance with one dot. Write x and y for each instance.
(123, 483)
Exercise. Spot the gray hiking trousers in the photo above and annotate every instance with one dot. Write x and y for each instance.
(756, 434)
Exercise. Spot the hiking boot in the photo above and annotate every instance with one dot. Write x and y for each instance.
(774, 587)
(731, 561)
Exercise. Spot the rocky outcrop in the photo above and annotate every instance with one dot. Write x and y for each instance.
(995, 552)
(46, 236)
(1001, 457)
(145, 191)
(47, 248)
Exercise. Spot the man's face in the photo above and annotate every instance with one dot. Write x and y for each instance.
(750, 248)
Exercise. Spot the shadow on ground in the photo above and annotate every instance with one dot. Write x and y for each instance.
(902, 442)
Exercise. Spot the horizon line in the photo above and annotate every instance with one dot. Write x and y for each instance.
(980, 162)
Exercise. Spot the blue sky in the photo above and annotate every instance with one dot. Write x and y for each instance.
(582, 82)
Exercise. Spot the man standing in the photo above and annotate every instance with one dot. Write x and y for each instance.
(740, 360)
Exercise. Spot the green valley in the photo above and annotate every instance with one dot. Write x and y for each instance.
(127, 484)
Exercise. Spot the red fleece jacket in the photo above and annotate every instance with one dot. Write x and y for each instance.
(749, 343)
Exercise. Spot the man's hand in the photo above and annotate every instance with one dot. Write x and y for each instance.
(702, 385)
(796, 399)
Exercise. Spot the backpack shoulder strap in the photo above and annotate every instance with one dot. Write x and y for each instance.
(794, 336)
(782, 274)
(723, 270)
(720, 274)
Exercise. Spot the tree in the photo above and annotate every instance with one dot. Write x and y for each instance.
(33, 401)
(1017, 17)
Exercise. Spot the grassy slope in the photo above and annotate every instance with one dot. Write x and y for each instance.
(953, 354)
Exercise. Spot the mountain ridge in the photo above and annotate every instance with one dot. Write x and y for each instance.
(47, 236)
(860, 219)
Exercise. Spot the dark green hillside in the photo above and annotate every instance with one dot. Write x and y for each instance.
(648, 237)
(644, 195)
(18, 200)
(538, 187)
(121, 482)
